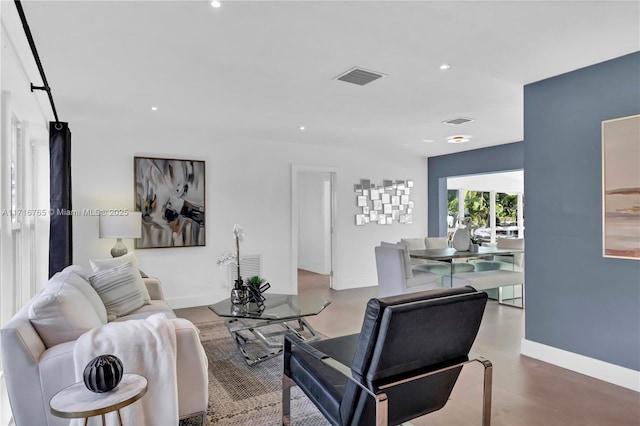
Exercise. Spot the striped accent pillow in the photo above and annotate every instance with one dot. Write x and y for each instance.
(118, 290)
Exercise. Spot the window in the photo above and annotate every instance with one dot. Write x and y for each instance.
(476, 206)
(452, 208)
(15, 161)
(493, 201)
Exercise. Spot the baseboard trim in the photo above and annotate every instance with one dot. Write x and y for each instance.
(359, 283)
(191, 301)
(621, 376)
(315, 268)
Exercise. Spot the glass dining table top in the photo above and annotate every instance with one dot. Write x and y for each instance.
(276, 307)
(451, 253)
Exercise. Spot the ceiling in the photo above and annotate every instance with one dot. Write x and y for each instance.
(260, 70)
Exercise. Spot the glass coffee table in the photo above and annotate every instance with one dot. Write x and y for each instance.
(254, 327)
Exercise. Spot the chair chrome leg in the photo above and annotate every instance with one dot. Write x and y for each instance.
(486, 392)
(286, 399)
(382, 410)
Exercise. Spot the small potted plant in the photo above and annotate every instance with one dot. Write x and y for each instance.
(474, 243)
(256, 286)
(255, 281)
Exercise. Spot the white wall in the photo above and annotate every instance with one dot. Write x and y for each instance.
(508, 182)
(249, 183)
(314, 241)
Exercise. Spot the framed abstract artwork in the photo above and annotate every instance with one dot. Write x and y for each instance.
(170, 193)
(621, 187)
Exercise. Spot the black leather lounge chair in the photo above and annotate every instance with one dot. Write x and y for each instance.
(403, 364)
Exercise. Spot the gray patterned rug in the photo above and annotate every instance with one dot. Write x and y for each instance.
(243, 395)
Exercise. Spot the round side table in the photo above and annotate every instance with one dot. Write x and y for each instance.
(76, 401)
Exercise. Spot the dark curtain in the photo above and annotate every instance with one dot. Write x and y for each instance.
(60, 232)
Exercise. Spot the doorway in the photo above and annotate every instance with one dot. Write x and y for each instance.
(313, 230)
(495, 204)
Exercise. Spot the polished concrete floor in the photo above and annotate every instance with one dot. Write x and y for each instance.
(525, 391)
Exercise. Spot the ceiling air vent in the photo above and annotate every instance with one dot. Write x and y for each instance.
(359, 76)
(459, 120)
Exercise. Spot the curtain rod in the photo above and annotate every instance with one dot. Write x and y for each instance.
(34, 51)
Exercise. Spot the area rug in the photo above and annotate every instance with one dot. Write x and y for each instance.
(243, 395)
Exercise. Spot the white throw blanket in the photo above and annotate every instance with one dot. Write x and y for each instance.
(146, 347)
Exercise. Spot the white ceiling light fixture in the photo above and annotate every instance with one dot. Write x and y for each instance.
(458, 139)
(154, 108)
(302, 128)
(445, 66)
(428, 140)
(216, 4)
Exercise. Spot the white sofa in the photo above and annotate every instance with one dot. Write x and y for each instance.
(37, 357)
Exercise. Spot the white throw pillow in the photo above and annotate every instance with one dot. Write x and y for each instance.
(408, 271)
(78, 277)
(98, 265)
(61, 312)
(118, 290)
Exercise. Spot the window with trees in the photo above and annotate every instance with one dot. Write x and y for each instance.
(477, 206)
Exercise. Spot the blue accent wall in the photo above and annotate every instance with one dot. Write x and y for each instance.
(497, 158)
(576, 299)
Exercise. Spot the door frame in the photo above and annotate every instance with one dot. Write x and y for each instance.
(296, 169)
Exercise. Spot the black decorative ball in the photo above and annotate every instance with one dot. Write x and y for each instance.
(103, 373)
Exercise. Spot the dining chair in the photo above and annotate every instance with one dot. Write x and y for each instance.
(396, 274)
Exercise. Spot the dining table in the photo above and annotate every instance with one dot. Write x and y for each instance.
(449, 254)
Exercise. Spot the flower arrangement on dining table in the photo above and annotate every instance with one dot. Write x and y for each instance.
(472, 227)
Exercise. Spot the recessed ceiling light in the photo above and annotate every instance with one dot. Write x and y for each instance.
(154, 108)
(428, 140)
(458, 139)
(302, 128)
(216, 4)
(445, 66)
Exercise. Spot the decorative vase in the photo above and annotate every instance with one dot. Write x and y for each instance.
(473, 248)
(238, 310)
(103, 373)
(461, 239)
(238, 296)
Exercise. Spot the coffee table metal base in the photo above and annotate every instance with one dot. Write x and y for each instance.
(246, 331)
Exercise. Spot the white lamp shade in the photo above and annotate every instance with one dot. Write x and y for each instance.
(129, 226)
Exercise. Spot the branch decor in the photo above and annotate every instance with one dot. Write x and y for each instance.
(238, 293)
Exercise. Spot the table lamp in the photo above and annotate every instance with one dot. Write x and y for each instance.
(119, 227)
